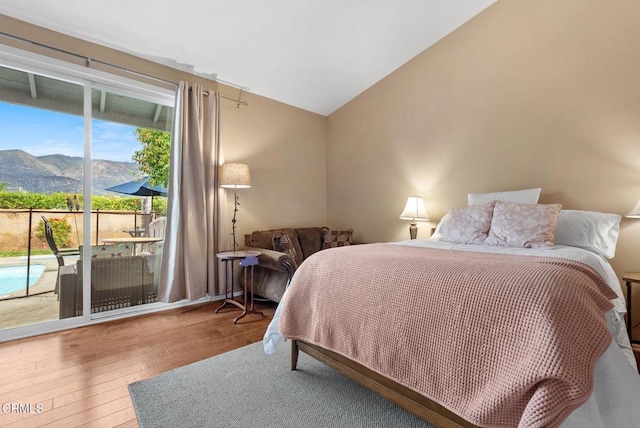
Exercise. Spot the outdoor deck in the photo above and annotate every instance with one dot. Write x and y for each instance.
(16, 309)
(19, 308)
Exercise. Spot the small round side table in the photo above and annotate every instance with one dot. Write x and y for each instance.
(247, 260)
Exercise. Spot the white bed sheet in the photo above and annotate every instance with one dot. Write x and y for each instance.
(616, 393)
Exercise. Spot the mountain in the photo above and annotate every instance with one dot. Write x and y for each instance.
(60, 173)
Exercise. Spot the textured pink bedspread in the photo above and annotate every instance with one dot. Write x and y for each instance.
(501, 340)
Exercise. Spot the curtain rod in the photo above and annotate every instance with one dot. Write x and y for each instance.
(238, 102)
(88, 62)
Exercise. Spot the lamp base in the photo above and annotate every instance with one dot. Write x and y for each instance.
(413, 231)
(233, 220)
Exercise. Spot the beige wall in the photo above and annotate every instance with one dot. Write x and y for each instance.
(286, 150)
(530, 93)
(285, 147)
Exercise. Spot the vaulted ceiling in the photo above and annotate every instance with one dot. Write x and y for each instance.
(312, 54)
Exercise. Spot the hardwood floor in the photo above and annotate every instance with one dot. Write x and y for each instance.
(79, 377)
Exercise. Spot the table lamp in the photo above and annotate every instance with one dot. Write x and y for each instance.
(414, 211)
(236, 176)
(635, 212)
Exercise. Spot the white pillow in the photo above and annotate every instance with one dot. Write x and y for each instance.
(437, 234)
(527, 196)
(592, 231)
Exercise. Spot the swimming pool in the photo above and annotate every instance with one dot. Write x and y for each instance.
(14, 278)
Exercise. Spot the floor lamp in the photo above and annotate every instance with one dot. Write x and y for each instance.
(235, 176)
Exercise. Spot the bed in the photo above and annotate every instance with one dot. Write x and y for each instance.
(470, 334)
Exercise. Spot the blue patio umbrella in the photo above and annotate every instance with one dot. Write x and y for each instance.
(139, 188)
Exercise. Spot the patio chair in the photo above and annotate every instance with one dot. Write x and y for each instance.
(157, 227)
(116, 282)
(59, 253)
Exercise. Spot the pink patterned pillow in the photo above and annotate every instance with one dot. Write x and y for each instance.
(468, 225)
(523, 225)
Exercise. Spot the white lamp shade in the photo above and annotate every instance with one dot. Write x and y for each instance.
(414, 210)
(635, 212)
(235, 175)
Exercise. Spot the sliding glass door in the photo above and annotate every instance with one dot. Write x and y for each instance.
(77, 240)
(41, 177)
(130, 150)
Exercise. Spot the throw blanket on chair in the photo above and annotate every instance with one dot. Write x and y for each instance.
(501, 340)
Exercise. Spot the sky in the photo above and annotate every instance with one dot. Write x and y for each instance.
(43, 132)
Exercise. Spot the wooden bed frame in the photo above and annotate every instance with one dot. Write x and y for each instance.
(404, 397)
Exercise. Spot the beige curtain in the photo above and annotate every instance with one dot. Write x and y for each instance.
(189, 263)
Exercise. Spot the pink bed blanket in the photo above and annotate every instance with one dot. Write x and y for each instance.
(501, 340)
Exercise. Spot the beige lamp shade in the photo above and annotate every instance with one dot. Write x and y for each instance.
(235, 175)
(414, 210)
(635, 212)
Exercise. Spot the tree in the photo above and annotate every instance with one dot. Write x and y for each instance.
(153, 158)
(3, 187)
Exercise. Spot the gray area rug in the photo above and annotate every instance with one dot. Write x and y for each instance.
(247, 388)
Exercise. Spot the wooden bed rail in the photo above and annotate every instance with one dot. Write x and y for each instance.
(404, 397)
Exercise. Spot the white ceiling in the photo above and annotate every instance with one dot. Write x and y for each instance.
(312, 54)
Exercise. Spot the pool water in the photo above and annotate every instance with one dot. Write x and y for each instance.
(14, 278)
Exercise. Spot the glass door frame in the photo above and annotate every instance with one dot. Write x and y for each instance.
(90, 79)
